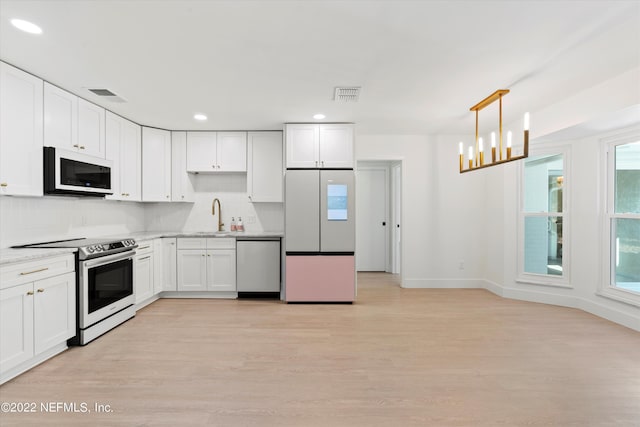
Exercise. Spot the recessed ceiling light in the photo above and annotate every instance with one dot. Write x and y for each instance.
(200, 117)
(26, 26)
(319, 116)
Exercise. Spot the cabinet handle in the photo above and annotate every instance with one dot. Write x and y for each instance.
(82, 147)
(322, 162)
(143, 258)
(34, 271)
(76, 145)
(30, 293)
(316, 163)
(203, 255)
(208, 255)
(172, 243)
(40, 290)
(4, 184)
(213, 166)
(182, 197)
(123, 194)
(218, 166)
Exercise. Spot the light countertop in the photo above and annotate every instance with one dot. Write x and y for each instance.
(9, 256)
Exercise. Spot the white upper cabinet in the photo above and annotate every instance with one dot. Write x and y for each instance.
(156, 165)
(60, 118)
(319, 145)
(124, 148)
(303, 146)
(231, 152)
(216, 151)
(91, 132)
(264, 167)
(72, 123)
(20, 132)
(336, 146)
(181, 186)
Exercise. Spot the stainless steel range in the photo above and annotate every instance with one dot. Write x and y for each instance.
(104, 272)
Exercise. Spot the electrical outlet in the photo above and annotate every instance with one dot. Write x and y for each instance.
(250, 219)
(461, 265)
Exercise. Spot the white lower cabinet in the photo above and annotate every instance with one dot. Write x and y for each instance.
(169, 260)
(143, 274)
(36, 317)
(206, 264)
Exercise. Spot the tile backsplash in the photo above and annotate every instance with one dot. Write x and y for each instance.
(38, 219)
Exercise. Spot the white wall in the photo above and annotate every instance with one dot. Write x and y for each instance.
(440, 209)
(231, 189)
(39, 219)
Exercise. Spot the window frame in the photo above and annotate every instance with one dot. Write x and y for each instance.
(564, 280)
(607, 287)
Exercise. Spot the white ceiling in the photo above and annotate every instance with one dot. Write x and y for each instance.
(258, 64)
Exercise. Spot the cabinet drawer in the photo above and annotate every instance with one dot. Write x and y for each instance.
(25, 272)
(221, 243)
(192, 243)
(144, 247)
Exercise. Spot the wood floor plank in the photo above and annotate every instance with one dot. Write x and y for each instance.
(436, 357)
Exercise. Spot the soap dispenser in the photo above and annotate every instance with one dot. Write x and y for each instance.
(239, 225)
(234, 227)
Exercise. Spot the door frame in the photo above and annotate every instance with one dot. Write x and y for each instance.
(383, 166)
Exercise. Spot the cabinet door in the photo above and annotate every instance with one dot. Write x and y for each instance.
(169, 265)
(91, 128)
(131, 161)
(16, 325)
(158, 268)
(264, 167)
(221, 270)
(60, 118)
(113, 151)
(201, 152)
(181, 186)
(303, 145)
(231, 152)
(143, 277)
(20, 132)
(192, 270)
(156, 165)
(336, 146)
(54, 311)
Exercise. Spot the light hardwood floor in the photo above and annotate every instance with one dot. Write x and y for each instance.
(396, 357)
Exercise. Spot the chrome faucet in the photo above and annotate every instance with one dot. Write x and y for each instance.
(213, 212)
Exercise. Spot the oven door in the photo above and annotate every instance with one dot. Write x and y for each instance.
(106, 287)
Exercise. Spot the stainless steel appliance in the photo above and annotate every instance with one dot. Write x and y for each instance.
(71, 173)
(320, 235)
(104, 282)
(258, 265)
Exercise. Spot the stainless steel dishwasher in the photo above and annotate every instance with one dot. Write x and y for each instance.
(258, 265)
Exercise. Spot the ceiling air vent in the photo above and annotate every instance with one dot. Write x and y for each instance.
(107, 95)
(347, 94)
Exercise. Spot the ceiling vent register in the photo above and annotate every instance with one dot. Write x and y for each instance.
(107, 94)
(347, 94)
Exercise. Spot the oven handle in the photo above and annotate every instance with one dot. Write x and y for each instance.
(107, 259)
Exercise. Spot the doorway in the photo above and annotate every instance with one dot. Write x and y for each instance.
(378, 216)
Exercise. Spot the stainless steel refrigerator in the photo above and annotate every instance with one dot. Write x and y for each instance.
(320, 235)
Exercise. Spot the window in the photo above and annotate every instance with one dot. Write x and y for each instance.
(623, 216)
(543, 219)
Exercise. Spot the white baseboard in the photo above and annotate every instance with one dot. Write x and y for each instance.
(592, 307)
(443, 283)
(531, 295)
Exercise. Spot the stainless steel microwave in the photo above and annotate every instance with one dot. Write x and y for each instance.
(71, 173)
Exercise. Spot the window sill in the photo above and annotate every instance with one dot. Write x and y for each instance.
(542, 282)
(620, 295)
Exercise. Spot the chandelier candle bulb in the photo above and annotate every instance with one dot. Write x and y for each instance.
(498, 154)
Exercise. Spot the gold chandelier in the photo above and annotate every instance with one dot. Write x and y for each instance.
(476, 157)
